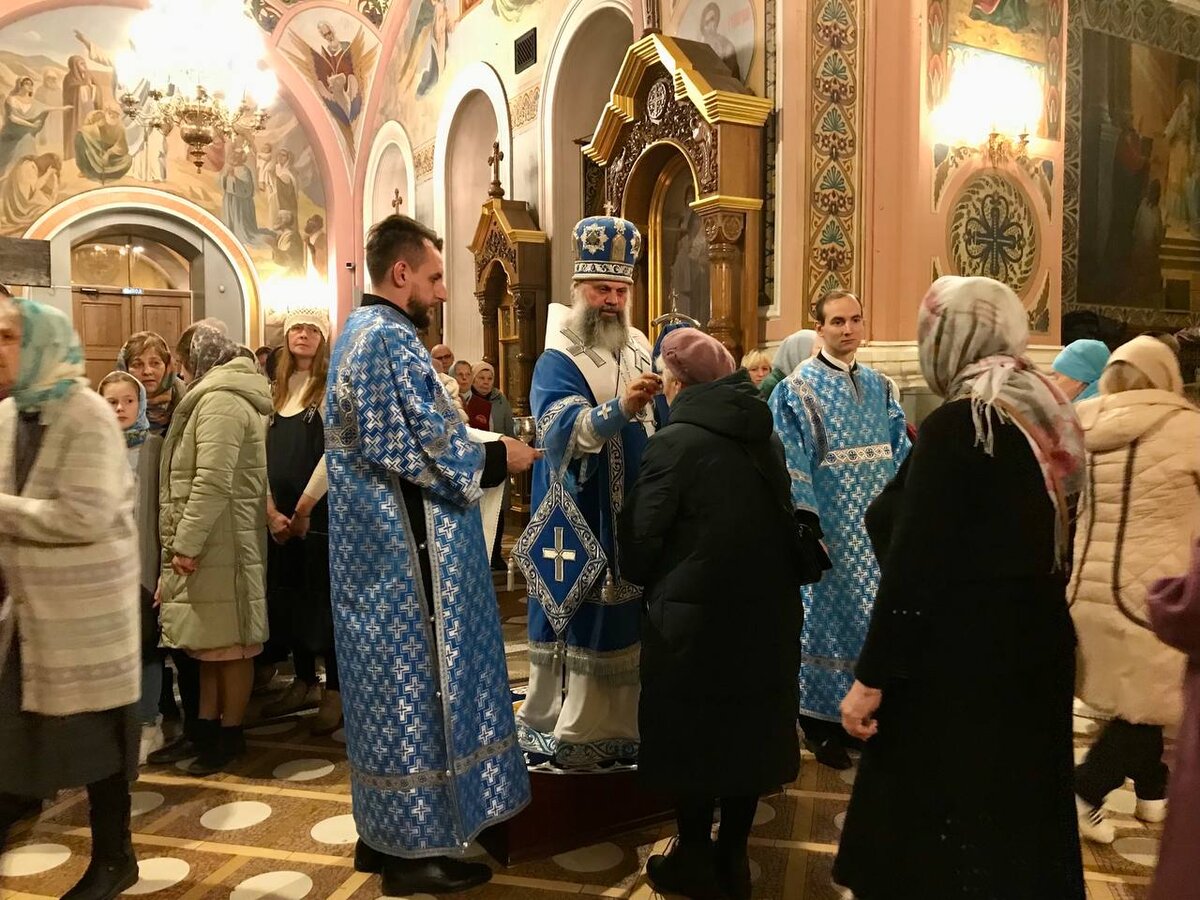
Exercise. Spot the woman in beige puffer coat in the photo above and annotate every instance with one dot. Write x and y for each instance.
(212, 524)
(1137, 524)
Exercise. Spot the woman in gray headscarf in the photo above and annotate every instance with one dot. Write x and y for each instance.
(795, 349)
(213, 497)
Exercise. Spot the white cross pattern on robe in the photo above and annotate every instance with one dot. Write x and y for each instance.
(578, 347)
(604, 412)
(559, 554)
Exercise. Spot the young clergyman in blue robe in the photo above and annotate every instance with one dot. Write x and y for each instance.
(430, 733)
(844, 435)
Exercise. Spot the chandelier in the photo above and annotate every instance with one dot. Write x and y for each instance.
(198, 65)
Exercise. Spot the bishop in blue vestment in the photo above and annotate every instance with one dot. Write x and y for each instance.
(844, 435)
(591, 396)
(430, 733)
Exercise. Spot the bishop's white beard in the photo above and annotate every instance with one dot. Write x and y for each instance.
(593, 329)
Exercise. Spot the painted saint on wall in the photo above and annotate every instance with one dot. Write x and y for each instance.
(727, 26)
(337, 55)
(1011, 14)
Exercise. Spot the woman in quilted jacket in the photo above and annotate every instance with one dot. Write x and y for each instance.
(1136, 525)
(213, 500)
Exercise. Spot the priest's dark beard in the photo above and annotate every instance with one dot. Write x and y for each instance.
(597, 332)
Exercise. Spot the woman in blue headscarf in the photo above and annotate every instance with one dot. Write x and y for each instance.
(1078, 367)
(70, 675)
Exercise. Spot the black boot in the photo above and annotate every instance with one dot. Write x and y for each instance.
(183, 747)
(225, 745)
(686, 869)
(435, 875)
(829, 752)
(367, 859)
(733, 874)
(113, 868)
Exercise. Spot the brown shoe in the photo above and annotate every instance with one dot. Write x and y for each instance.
(298, 696)
(329, 715)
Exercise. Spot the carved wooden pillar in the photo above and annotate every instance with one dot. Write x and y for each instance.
(491, 329)
(723, 229)
(525, 304)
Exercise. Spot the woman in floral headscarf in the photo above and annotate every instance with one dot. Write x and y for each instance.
(213, 502)
(964, 686)
(70, 670)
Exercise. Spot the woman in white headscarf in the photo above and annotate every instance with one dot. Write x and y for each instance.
(964, 686)
(795, 349)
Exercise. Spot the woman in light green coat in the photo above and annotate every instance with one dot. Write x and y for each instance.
(212, 493)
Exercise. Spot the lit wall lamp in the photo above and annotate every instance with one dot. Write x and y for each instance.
(989, 103)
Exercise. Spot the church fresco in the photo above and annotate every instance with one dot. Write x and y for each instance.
(1021, 34)
(728, 26)
(337, 55)
(63, 133)
(1139, 215)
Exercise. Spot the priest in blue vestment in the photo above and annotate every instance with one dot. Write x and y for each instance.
(844, 435)
(591, 397)
(430, 734)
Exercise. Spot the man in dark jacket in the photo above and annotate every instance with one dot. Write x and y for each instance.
(708, 530)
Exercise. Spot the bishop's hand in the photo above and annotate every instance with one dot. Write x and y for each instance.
(639, 392)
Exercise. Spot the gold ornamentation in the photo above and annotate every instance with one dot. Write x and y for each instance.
(523, 108)
(423, 162)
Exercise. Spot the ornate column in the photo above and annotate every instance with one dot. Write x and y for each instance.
(525, 305)
(724, 230)
(491, 328)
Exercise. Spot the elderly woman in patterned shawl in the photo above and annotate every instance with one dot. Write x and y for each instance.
(70, 666)
(964, 687)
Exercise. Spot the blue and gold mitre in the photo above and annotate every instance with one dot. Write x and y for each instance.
(606, 249)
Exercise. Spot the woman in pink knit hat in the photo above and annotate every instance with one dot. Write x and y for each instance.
(721, 627)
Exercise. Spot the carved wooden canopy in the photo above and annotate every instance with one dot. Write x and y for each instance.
(672, 92)
(511, 256)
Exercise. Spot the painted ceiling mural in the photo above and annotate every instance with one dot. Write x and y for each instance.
(63, 133)
(337, 54)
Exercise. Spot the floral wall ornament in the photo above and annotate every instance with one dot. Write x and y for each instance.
(836, 117)
(993, 232)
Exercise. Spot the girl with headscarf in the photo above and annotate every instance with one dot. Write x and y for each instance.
(795, 349)
(1136, 525)
(489, 410)
(127, 398)
(1077, 369)
(213, 505)
(70, 675)
(963, 689)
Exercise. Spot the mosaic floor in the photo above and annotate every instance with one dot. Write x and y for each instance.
(279, 826)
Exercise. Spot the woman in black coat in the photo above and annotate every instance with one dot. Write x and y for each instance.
(721, 627)
(964, 686)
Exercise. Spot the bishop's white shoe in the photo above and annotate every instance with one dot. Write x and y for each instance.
(1092, 823)
(1151, 811)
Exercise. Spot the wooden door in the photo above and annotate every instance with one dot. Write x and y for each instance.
(105, 319)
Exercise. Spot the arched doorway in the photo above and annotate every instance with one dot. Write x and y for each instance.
(389, 176)
(573, 184)
(473, 131)
(674, 272)
(124, 280)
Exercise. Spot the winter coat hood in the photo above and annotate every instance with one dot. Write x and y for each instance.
(729, 406)
(1117, 420)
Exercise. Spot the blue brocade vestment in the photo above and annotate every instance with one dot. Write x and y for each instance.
(430, 733)
(577, 390)
(844, 436)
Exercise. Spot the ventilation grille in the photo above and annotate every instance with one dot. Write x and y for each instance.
(525, 50)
